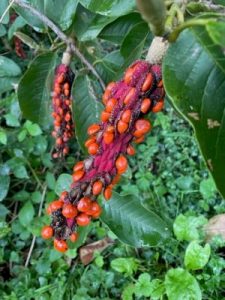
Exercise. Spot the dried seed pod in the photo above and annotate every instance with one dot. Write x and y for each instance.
(17, 41)
(122, 123)
(62, 114)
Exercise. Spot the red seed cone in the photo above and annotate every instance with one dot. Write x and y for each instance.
(62, 114)
(17, 42)
(126, 103)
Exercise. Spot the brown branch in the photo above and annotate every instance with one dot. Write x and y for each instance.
(69, 42)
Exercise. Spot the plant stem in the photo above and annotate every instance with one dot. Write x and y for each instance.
(154, 13)
(194, 22)
(69, 42)
(34, 237)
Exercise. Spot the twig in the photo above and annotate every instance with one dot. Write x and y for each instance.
(193, 22)
(34, 237)
(69, 42)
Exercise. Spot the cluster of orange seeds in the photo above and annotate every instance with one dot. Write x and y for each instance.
(122, 124)
(62, 113)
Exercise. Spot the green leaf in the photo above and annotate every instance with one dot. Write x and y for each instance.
(196, 256)
(3, 137)
(180, 285)
(216, 31)
(109, 7)
(26, 214)
(184, 182)
(12, 120)
(35, 88)
(8, 68)
(17, 24)
(128, 292)
(33, 129)
(8, 83)
(158, 289)
(115, 31)
(88, 25)
(4, 229)
(126, 265)
(3, 8)
(71, 253)
(108, 66)
(207, 188)
(36, 197)
(82, 235)
(20, 171)
(194, 79)
(2, 30)
(22, 135)
(133, 45)
(4, 186)
(63, 183)
(186, 228)
(86, 108)
(143, 286)
(132, 223)
(27, 40)
(50, 179)
(134, 41)
(3, 212)
(60, 12)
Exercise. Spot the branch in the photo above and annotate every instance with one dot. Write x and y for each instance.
(154, 13)
(157, 50)
(69, 42)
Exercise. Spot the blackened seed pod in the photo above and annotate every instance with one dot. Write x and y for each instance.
(110, 141)
(62, 113)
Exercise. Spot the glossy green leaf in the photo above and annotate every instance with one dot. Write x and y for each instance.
(63, 183)
(132, 223)
(26, 214)
(133, 42)
(35, 88)
(17, 24)
(12, 120)
(180, 285)
(109, 66)
(8, 68)
(186, 228)
(60, 12)
(143, 286)
(3, 7)
(115, 31)
(88, 25)
(86, 108)
(196, 256)
(216, 31)
(207, 188)
(126, 265)
(4, 186)
(2, 30)
(8, 83)
(82, 235)
(109, 7)
(194, 79)
(3, 137)
(33, 129)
